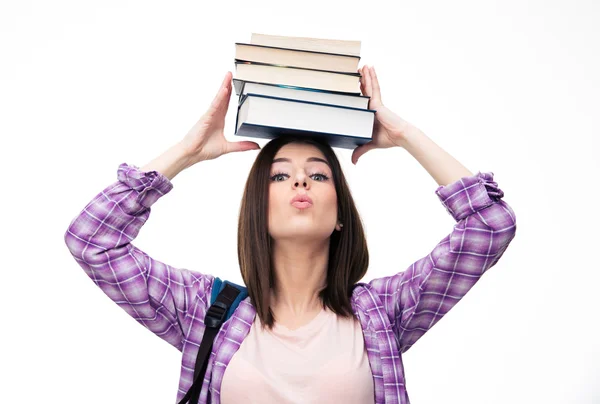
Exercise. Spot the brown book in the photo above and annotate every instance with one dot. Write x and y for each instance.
(297, 58)
(342, 47)
(298, 77)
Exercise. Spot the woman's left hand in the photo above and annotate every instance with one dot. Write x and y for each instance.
(389, 129)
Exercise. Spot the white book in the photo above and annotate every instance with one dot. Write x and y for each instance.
(268, 117)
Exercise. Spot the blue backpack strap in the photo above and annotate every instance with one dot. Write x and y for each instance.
(219, 285)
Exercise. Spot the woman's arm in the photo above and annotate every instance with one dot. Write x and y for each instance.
(444, 168)
(100, 238)
(417, 298)
(164, 299)
(171, 162)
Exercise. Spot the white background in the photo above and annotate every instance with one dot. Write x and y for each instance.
(509, 87)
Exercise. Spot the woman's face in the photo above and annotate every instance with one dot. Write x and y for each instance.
(301, 170)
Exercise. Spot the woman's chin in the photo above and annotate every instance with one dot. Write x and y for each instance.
(306, 231)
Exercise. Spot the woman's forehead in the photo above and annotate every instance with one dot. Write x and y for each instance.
(299, 151)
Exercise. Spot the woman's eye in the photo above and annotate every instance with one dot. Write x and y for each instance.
(323, 176)
(276, 176)
(280, 177)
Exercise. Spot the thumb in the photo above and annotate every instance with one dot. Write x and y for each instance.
(241, 146)
(360, 150)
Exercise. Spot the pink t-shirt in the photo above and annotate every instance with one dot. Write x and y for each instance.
(324, 361)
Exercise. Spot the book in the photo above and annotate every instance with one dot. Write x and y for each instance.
(296, 58)
(296, 76)
(301, 86)
(301, 93)
(268, 117)
(344, 47)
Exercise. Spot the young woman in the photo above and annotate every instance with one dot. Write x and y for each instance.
(309, 331)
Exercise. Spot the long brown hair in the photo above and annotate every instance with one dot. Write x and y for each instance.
(348, 253)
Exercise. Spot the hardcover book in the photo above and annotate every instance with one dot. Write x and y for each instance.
(296, 76)
(301, 86)
(296, 58)
(301, 93)
(267, 117)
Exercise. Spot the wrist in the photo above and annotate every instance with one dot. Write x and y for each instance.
(410, 137)
(187, 157)
(171, 162)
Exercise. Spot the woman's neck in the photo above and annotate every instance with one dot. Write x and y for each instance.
(300, 274)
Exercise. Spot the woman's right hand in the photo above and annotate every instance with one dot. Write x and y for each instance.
(206, 139)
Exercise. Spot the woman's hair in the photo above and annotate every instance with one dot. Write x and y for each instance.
(348, 253)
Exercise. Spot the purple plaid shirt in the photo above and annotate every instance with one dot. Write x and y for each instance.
(394, 311)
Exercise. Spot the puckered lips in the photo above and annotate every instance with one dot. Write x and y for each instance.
(301, 201)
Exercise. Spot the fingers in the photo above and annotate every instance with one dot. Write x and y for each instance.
(241, 146)
(227, 80)
(221, 100)
(368, 82)
(365, 81)
(362, 81)
(360, 150)
(225, 85)
(375, 84)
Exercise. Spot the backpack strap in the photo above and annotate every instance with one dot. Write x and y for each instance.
(219, 285)
(225, 297)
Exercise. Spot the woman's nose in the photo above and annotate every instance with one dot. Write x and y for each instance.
(303, 182)
(300, 180)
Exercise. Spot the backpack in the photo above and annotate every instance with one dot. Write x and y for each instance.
(225, 298)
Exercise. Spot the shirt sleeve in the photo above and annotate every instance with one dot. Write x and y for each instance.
(416, 299)
(161, 298)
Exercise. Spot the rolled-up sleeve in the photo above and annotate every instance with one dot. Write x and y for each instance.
(417, 298)
(162, 298)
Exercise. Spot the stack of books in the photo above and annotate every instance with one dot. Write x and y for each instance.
(302, 86)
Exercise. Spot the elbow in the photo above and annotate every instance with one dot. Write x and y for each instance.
(71, 240)
(80, 246)
(504, 227)
(506, 223)
(498, 218)
(487, 232)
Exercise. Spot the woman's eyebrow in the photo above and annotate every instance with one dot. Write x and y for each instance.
(285, 159)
